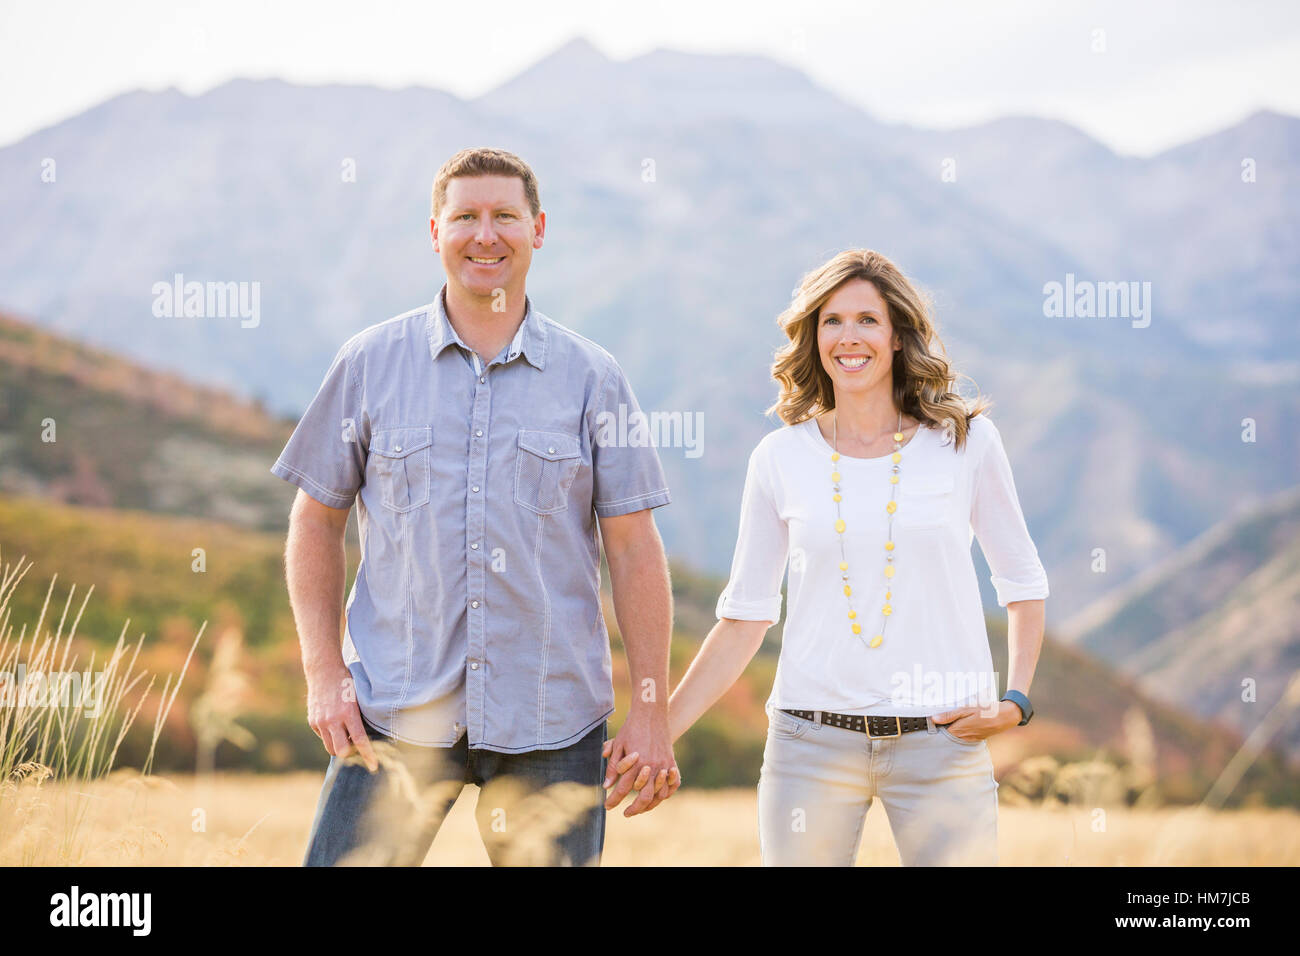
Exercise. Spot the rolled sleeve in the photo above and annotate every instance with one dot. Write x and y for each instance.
(999, 524)
(627, 473)
(753, 591)
(326, 454)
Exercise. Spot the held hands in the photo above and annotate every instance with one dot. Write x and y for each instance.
(644, 732)
(970, 723)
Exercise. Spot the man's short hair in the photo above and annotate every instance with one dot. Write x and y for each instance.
(484, 161)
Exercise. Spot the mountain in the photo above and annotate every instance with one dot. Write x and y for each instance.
(686, 195)
(1215, 629)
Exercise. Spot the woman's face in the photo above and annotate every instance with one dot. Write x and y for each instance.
(855, 338)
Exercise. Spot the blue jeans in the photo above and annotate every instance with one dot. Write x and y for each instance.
(537, 808)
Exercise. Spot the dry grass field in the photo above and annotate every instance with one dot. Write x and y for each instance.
(252, 820)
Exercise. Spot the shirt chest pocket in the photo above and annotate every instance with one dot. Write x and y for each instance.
(545, 467)
(399, 459)
(925, 501)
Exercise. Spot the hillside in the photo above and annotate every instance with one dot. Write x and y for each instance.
(1223, 611)
(126, 436)
(140, 566)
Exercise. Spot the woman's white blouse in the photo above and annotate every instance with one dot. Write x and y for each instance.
(935, 653)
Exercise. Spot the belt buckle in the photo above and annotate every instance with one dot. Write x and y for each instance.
(898, 724)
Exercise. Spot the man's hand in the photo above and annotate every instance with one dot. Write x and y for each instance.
(641, 750)
(333, 713)
(968, 723)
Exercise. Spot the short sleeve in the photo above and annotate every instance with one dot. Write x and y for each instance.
(753, 591)
(1016, 572)
(627, 475)
(326, 454)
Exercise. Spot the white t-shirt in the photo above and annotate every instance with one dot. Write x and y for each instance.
(935, 653)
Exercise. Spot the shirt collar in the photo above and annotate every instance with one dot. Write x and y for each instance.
(530, 339)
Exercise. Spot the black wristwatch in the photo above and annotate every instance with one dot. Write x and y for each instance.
(1021, 701)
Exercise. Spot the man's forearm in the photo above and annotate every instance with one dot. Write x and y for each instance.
(315, 568)
(643, 608)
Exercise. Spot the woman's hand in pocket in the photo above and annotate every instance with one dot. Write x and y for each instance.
(974, 724)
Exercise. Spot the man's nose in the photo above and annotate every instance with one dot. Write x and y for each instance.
(486, 234)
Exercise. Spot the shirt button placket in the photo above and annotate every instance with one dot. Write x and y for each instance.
(475, 562)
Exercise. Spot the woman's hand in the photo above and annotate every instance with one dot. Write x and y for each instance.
(666, 783)
(969, 724)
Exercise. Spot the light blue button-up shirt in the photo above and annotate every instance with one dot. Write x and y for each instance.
(476, 606)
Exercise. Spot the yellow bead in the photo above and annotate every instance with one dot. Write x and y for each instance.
(893, 479)
(839, 525)
(835, 456)
(876, 641)
(889, 571)
(887, 610)
(837, 497)
(891, 507)
(889, 546)
(847, 589)
(888, 595)
(896, 457)
(857, 628)
(852, 615)
(835, 476)
(844, 566)
(898, 436)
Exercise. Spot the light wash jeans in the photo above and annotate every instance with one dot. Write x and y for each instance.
(818, 782)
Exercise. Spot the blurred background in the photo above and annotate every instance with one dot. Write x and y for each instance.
(694, 162)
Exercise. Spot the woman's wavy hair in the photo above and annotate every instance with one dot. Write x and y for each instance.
(924, 381)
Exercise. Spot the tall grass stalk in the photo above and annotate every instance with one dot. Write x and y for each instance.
(54, 729)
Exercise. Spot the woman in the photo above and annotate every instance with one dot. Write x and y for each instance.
(885, 686)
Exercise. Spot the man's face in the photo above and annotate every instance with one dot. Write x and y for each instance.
(485, 234)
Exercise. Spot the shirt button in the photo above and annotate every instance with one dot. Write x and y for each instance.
(474, 666)
(475, 488)
(397, 448)
(474, 546)
(482, 378)
(550, 450)
(473, 603)
(478, 433)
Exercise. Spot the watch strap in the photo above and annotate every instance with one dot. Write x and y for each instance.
(1021, 701)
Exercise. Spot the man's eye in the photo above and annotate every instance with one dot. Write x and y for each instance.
(465, 215)
(868, 318)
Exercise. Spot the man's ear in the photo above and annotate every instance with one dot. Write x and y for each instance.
(433, 233)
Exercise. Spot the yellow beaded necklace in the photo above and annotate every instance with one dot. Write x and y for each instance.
(891, 507)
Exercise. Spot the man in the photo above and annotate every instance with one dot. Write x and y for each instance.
(474, 647)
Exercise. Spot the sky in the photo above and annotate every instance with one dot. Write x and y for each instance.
(1140, 77)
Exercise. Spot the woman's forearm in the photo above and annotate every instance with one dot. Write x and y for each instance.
(722, 658)
(1025, 622)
